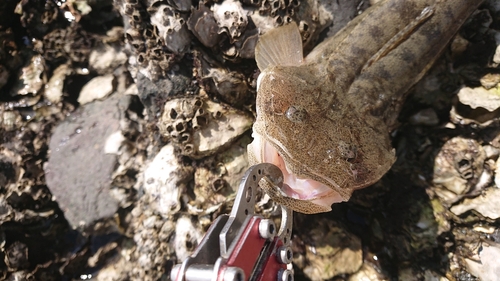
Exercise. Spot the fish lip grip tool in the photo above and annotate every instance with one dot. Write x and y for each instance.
(243, 245)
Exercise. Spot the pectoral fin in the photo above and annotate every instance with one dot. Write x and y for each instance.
(279, 46)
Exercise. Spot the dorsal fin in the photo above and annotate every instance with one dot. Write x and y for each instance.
(279, 46)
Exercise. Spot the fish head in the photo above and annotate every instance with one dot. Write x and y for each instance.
(324, 148)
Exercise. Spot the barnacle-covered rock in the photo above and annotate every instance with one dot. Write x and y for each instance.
(181, 5)
(37, 16)
(230, 17)
(235, 28)
(457, 168)
(187, 236)
(171, 26)
(71, 43)
(218, 177)
(165, 179)
(313, 18)
(204, 26)
(158, 35)
(201, 127)
(334, 251)
(236, 41)
(310, 15)
(151, 234)
(230, 86)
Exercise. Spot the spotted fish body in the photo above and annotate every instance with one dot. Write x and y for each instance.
(325, 119)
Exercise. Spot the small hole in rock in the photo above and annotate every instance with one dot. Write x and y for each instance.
(173, 113)
(200, 120)
(179, 127)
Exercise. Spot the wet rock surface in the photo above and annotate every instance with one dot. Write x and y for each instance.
(147, 183)
(79, 170)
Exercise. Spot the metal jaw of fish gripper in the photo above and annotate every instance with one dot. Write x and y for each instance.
(243, 246)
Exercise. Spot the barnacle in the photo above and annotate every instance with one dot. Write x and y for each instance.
(218, 177)
(170, 26)
(231, 18)
(457, 168)
(158, 34)
(38, 16)
(200, 127)
(72, 43)
(204, 26)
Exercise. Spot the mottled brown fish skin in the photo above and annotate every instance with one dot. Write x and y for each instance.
(351, 92)
(387, 80)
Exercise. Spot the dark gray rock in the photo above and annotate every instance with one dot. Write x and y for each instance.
(78, 172)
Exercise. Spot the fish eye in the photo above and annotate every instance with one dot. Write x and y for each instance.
(296, 114)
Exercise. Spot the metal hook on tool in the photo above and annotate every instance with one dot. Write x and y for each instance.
(243, 246)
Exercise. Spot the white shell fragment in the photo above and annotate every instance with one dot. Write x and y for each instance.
(164, 181)
(478, 106)
(496, 57)
(97, 88)
(485, 264)
(485, 204)
(105, 57)
(114, 142)
(480, 97)
(33, 76)
(54, 88)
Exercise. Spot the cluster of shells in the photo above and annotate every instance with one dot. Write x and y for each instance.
(161, 32)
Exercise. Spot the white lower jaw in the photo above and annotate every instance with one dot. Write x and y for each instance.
(304, 189)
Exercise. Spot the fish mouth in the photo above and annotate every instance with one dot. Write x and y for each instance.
(294, 186)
